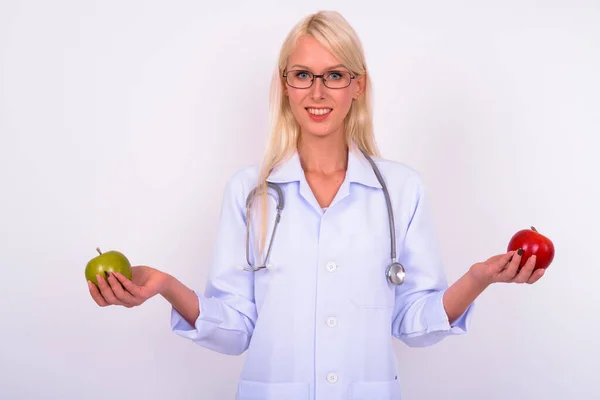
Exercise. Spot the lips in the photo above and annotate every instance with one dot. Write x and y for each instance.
(318, 114)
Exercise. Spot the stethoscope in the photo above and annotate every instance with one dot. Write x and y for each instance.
(394, 273)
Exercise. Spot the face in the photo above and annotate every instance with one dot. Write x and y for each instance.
(319, 110)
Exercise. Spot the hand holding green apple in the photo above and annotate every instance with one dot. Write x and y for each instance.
(113, 281)
(104, 263)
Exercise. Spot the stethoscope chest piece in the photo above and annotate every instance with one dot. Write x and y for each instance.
(395, 274)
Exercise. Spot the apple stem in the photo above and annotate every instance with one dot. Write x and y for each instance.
(98, 250)
(533, 229)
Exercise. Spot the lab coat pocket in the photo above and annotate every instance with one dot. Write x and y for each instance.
(253, 390)
(369, 260)
(388, 390)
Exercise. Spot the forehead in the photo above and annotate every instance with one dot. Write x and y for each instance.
(310, 53)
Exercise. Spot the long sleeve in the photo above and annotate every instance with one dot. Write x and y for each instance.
(227, 310)
(419, 316)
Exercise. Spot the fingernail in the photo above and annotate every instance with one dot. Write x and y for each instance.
(520, 251)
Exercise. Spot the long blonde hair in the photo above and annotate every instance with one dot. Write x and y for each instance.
(334, 33)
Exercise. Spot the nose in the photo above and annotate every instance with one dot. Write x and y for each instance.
(317, 88)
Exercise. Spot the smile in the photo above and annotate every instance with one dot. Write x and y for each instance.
(319, 111)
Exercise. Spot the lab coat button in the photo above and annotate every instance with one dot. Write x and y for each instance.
(331, 322)
(332, 378)
(331, 267)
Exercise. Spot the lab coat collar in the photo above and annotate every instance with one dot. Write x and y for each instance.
(359, 170)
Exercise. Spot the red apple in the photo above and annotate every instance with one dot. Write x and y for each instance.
(532, 242)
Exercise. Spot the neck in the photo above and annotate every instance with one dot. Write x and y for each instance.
(323, 155)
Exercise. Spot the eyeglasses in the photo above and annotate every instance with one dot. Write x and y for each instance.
(301, 79)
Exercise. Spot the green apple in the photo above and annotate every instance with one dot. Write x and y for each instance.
(111, 261)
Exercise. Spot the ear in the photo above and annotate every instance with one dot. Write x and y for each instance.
(361, 82)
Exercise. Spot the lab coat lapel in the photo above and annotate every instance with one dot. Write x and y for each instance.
(291, 171)
(359, 171)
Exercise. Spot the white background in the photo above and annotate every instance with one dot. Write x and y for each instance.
(121, 121)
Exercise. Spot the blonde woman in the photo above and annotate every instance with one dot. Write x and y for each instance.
(315, 305)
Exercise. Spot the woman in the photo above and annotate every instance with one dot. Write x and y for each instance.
(318, 321)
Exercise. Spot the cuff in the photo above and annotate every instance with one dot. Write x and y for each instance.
(208, 320)
(436, 318)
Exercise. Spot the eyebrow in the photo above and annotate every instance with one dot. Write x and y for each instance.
(327, 69)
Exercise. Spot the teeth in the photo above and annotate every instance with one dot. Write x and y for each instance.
(319, 111)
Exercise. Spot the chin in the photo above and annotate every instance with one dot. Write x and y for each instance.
(319, 130)
(316, 132)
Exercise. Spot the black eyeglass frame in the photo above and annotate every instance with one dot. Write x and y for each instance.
(315, 76)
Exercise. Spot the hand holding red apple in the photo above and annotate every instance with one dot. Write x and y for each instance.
(505, 268)
(529, 255)
(533, 243)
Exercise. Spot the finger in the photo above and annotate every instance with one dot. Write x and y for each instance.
(525, 273)
(500, 261)
(132, 288)
(511, 269)
(537, 274)
(500, 258)
(120, 293)
(107, 292)
(96, 295)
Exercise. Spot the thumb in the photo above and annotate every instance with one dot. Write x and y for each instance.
(499, 261)
(497, 257)
(504, 259)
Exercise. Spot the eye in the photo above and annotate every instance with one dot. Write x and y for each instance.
(334, 75)
(302, 75)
